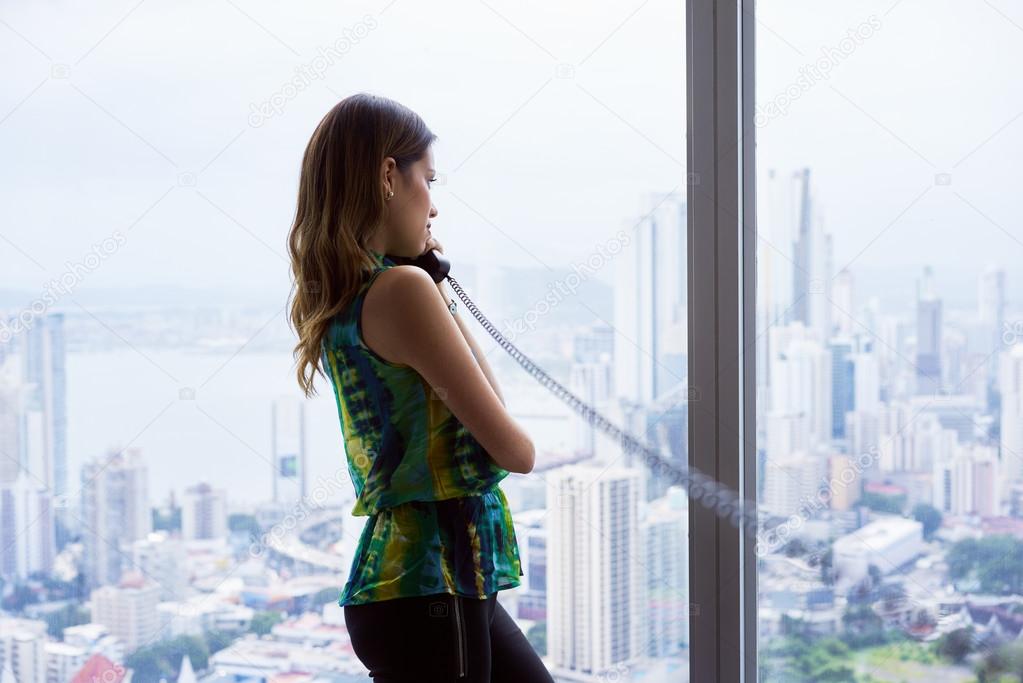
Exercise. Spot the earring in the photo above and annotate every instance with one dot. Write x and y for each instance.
(390, 193)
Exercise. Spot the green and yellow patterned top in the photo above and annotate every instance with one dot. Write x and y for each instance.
(438, 521)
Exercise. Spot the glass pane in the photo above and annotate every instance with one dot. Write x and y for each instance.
(157, 459)
(887, 359)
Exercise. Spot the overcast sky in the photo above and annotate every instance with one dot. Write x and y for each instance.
(137, 117)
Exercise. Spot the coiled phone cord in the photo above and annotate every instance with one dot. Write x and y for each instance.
(711, 494)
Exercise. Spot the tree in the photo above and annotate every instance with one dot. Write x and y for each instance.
(875, 575)
(826, 565)
(1002, 660)
(929, 516)
(263, 622)
(218, 640)
(537, 637)
(995, 563)
(956, 645)
(163, 660)
(324, 596)
(803, 660)
(794, 548)
(21, 596)
(862, 627)
(880, 502)
(70, 615)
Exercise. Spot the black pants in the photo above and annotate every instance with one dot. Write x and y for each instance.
(441, 638)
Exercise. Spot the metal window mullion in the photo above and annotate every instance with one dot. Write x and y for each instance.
(721, 253)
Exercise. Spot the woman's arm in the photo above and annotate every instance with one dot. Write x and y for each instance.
(477, 352)
(405, 322)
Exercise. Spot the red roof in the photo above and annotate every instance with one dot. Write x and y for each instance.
(884, 488)
(99, 668)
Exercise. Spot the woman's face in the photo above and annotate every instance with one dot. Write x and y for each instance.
(409, 212)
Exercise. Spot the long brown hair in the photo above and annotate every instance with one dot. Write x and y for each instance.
(340, 206)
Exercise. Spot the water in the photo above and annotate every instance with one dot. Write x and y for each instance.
(223, 436)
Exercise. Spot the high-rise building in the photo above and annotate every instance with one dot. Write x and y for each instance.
(666, 428)
(968, 482)
(843, 384)
(115, 513)
(811, 260)
(11, 413)
(866, 381)
(928, 337)
(665, 540)
(287, 419)
(991, 313)
(129, 610)
(591, 378)
(791, 482)
(845, 481)
(1010, 386)
(203, 513)
(843, 305)
(63, 661)
(595, 574)
(161, 559)
(801, 381)
(23, 650)
(531, 533)
(650, 303)
(45, 371)
(26, 528)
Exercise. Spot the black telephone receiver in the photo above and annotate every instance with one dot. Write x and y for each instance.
(433, 262)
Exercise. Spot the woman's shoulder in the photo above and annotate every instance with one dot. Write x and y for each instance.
(396, 309)
(399, 285)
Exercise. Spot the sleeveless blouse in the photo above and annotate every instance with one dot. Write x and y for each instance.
(438, 521)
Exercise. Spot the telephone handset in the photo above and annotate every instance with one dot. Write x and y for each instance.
(433, 262)
(700, 487)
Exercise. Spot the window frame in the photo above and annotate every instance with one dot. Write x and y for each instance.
(721, 253)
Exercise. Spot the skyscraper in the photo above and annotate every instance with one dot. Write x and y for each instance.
(991, 313)
(595, 573)
(591, 378)
(129, 610)
(287, 418)
(203, 513)
(928, 336)
(650, 303)
(843, 387)
(26, 528)
(45, 371)
(1010, 386)
(665, 534)
(115, 512)
(811, 260)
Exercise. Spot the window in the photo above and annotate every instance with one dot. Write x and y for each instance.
(887, 340)
(160, 478)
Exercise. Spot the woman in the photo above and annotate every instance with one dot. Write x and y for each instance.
(427, 437)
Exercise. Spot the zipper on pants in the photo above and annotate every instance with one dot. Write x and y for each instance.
(463, 663)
